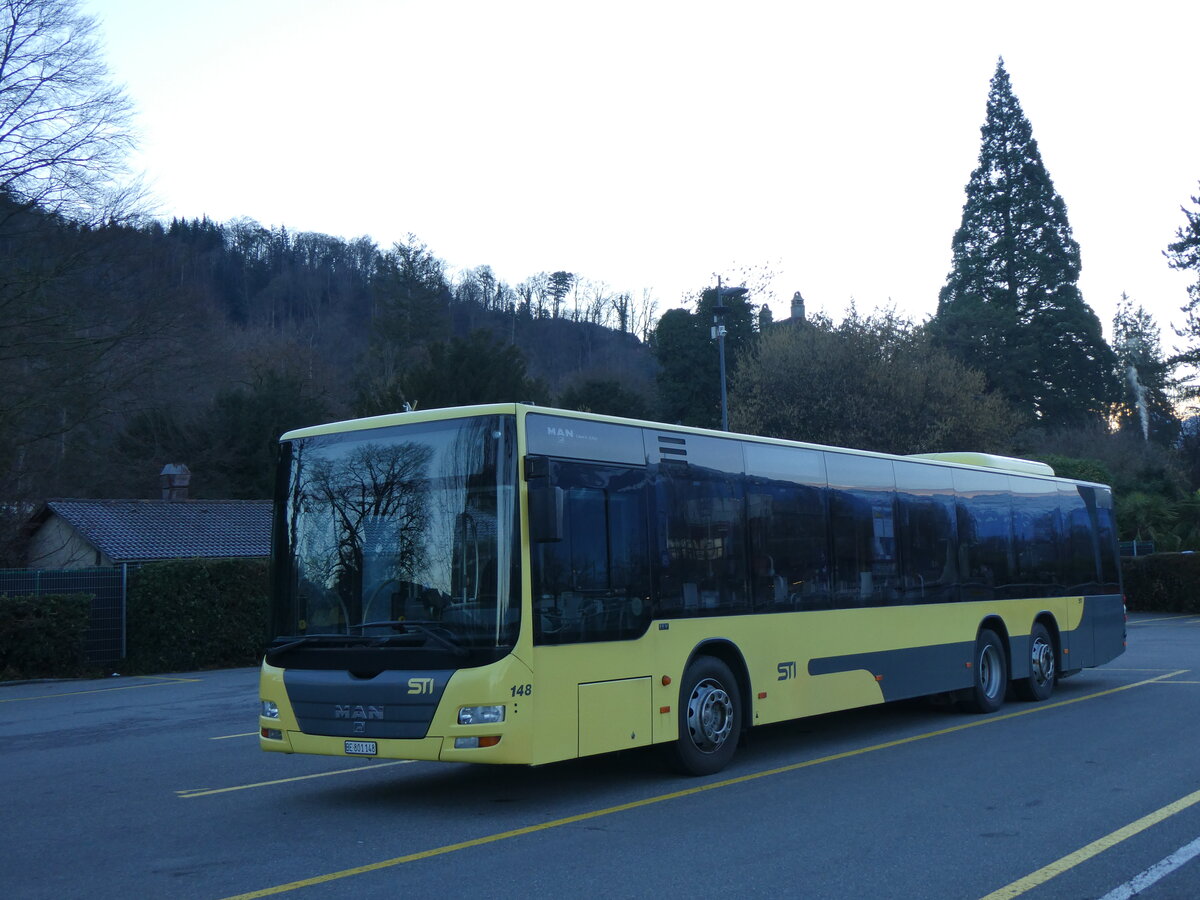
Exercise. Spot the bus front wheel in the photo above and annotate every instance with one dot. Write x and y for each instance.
(710, 718)
(989, 666)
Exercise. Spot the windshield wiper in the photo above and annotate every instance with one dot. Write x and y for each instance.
(435, 631)
(284, 648)
(319, 639)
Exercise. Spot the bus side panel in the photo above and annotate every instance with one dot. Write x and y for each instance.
(583, 691)
(1104, 620)
(906, 672)
(614, 715)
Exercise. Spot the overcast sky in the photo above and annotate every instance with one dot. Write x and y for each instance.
(654, 145)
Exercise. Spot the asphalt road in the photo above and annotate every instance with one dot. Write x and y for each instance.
(155, 787)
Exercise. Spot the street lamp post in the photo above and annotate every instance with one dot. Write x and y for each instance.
(718, 334)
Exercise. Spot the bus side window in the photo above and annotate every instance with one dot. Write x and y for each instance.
(1080, 563)
(862, 523)
(788, 546)
(702, 543)
(926, 524)
(1036, 531)
(984, 534)
(593, 584)
(787, 510)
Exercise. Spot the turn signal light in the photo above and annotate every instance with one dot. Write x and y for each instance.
(473, 743)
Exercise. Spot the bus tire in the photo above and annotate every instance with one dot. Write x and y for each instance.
(989, 666)
(710, 718)
(1043, 672)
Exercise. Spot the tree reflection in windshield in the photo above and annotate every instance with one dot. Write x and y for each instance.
(409, 523)
(377, 498)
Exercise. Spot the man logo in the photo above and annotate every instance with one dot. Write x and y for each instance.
(346, 711)
(420, 685)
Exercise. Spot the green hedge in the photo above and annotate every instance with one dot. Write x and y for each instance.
(1162, 582)
(196, 614)
(43, 636)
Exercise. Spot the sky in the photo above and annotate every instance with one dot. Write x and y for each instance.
(652, 146)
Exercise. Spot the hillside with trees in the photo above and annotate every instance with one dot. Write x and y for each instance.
(128, 343)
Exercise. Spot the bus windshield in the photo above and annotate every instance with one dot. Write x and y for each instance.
(400, 536)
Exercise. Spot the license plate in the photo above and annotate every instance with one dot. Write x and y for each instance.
(361, 748)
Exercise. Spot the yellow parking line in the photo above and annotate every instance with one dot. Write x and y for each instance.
(1083, 854)
(124, 687)
(1135, 622)
(207, 792)
(676, 795)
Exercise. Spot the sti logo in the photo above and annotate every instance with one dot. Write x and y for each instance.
(420, 685)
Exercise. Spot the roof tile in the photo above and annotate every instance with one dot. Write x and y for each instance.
(144, 530)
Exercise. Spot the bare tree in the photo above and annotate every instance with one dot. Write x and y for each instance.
(644, 315)
(65, 129)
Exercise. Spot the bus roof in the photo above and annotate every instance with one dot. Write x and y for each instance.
(990, 461)
(962, 458)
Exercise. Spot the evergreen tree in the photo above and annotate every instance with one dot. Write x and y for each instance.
(1184, 254)
(1011, 306)
(457, 372)
(689, 384)
(1147, 382)
(560, 285)
(605, 396)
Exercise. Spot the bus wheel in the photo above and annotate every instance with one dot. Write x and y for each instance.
(710, 718)
(1042, 670)
(990, 668)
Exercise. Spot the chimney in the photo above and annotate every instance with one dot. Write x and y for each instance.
(797, 307)
(174, 479)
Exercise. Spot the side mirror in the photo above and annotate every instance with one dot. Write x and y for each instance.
(545, 513)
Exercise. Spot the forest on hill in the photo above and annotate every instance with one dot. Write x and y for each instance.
(128, 343)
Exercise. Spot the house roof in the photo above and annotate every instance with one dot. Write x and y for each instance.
(144, 530)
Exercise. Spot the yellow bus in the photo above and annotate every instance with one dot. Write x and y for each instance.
(517, 584)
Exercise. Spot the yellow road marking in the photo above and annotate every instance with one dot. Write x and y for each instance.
(208, 792)
(225, 737)
(1083, 854)
(124, 687)
(1160, 619)
(674, 795)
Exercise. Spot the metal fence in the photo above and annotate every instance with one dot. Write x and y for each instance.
(107, 587)
(1137, 548)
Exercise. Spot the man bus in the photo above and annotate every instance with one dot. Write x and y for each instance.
(515, 584)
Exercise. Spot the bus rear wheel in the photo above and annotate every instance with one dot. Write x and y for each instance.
(989, 666)
(1042, 669)
(710, 718)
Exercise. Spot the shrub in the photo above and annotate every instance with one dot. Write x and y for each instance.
(196, 614)
(1162, 582)
(43, 636)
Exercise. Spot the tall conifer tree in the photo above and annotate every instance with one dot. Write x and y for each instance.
(1011, 306)
(1184, 254)
(1147, 376)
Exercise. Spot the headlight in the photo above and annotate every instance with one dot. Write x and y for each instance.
(270, 710)
(480, 715)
